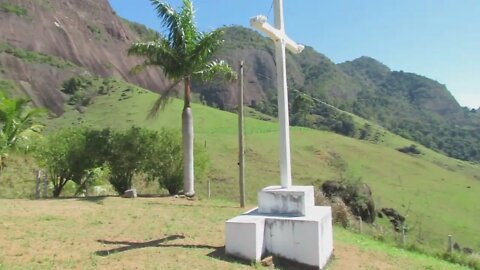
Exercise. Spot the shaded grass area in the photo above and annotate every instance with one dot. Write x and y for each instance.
(429, 188)
(154, 233)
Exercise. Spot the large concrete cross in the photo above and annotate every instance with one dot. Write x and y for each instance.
(282, 41)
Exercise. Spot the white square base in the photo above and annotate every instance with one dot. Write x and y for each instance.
(307, 240)
(292, 201)
(244, 237)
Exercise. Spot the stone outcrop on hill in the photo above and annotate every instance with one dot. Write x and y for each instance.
(87, 33)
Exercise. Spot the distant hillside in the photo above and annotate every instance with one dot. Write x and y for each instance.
(43, 44)
(408, 104)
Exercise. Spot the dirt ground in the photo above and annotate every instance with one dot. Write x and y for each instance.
(145, 233)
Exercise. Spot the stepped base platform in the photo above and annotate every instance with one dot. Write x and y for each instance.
(305, 238)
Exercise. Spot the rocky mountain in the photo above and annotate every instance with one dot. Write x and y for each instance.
(43, 43)
(414, 106)
(86, 33)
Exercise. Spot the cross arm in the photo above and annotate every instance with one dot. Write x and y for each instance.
(260, 23)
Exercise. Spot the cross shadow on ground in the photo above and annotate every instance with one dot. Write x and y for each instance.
(218, 252)
(128, 245)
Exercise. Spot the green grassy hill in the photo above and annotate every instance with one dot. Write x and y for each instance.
(438, 194)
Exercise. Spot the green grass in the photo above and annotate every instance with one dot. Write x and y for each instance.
(366, 243)
(36, 57)
(10, 88)
(431, 189)
(13, 9)
(155, 233)
(96, 31)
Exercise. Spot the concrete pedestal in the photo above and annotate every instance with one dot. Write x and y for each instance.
(245, 236)
(305, 238)
(294, 201)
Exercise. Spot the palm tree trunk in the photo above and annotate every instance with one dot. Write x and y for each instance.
(187, 136)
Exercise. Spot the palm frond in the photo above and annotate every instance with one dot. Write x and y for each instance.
(33, 113)
(157, 53)
(172, 21)
(162, 100)
(152, 50)
(206, 46)
(214, 69)
(188, 25)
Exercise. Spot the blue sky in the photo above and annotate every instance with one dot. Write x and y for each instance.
(439, 39)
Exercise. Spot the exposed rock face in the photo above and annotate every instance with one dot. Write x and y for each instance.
(395, 218)
(357, 197)
(87, 32)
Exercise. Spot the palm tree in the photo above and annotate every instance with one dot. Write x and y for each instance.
(184, 53)
(17, 129)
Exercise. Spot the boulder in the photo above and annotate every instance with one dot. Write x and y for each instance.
(356, 195)
(268, 261)
(395, 218)
(130, 193)
(333, 188)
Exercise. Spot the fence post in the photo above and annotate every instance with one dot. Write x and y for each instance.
(450, 244)
(209, 189)
(37, 186)
(87, 185)
(404, 240)
(360, 224)
(45, 185)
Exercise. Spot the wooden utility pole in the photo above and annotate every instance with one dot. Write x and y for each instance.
(241, 140)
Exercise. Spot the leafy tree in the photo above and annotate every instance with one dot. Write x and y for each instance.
(127, 152)
(63, 155)
(184, 53)
(301, 108)
(17, 127)
(165, 163)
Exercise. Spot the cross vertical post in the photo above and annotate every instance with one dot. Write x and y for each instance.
(282, 41)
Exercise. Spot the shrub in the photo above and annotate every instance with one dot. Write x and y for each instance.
(36, 57)
(63, 155)
(165, 163)
(412, 149)
(461, 259)
(355, 194)
(340, 211)
(14, 9)
(126, 155)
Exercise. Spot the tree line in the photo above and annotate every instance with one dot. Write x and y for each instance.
(74, 154)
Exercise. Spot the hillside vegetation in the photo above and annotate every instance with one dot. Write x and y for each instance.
(95, 42)
(428, 188)
(410, 105)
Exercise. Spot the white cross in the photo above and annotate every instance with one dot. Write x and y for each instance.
(282, 41)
